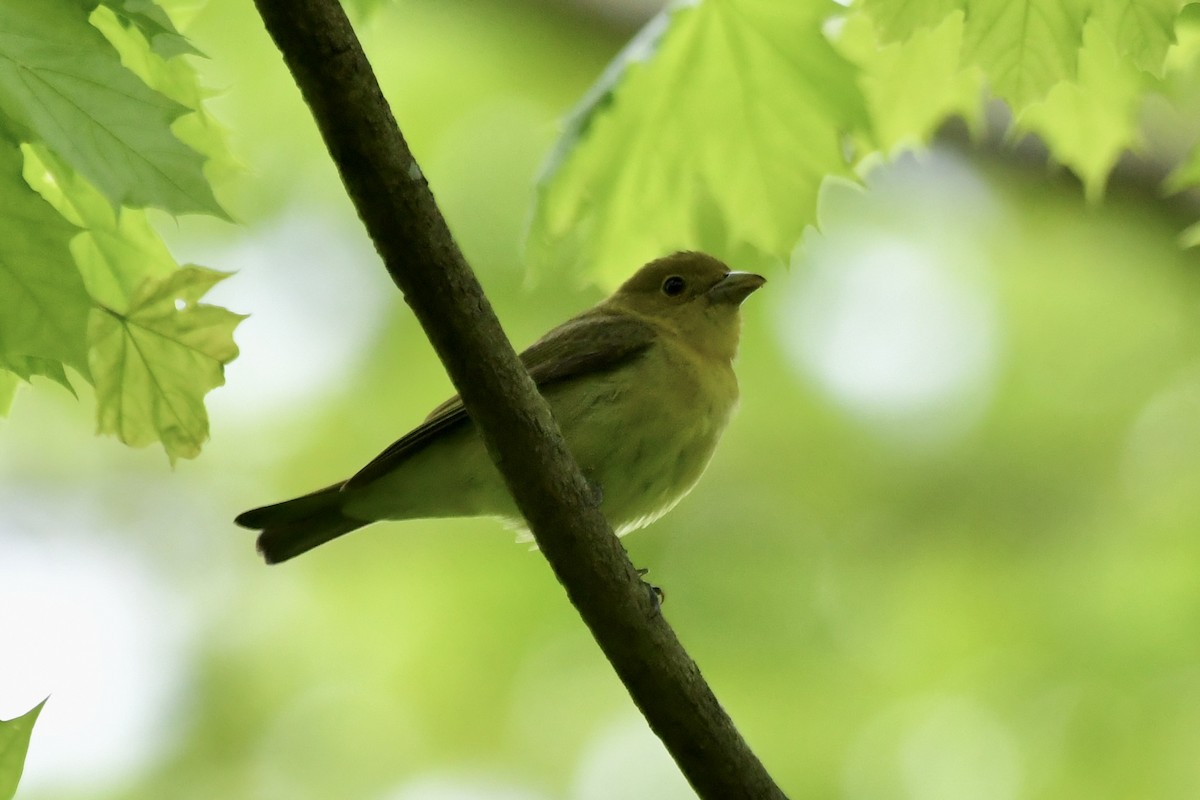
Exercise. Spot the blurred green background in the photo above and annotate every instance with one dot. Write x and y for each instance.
(948, 548)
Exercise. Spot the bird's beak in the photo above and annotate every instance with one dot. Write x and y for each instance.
(735, 287)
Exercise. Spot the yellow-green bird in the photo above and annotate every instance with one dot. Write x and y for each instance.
(641, 386)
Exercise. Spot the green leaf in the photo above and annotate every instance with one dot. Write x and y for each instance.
(154, 361)
(1089, 123)
(115, 253)
(1190, 236)
(26, 368)
(713, 129)
(1184, 62)
(1024, 46)
(1028, 46)
(8, 390)
(147, 386)
(43, 303)
(1072, 71)
(63, 84)
(1186, 175)
(148, 17)
(912, 87)
(1143, 30)
(104, 109)
(900, 20)
(14, 744)
(177, 79)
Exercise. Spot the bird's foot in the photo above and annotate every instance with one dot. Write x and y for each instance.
(657, 595)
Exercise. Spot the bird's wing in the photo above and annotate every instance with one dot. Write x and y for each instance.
(597, 341)
(590, 343)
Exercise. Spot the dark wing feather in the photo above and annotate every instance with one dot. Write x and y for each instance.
(448, 417)
(595, 341)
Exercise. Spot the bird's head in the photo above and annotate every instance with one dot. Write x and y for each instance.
(693, 293)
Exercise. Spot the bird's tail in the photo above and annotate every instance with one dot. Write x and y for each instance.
(297, 526)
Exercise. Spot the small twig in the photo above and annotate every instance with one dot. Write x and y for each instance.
(402, 218)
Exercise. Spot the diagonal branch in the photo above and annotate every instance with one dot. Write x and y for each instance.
(402, 218)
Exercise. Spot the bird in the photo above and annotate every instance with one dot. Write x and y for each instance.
(641, 385)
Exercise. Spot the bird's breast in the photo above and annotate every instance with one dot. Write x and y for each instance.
(645, 433)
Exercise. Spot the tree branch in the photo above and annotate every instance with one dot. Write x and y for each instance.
(402, 218)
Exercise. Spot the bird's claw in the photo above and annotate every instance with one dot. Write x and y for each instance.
(657, 595)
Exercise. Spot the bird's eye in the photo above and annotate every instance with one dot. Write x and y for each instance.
(674, 286)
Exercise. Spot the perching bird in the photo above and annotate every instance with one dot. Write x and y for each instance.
(641, 386)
